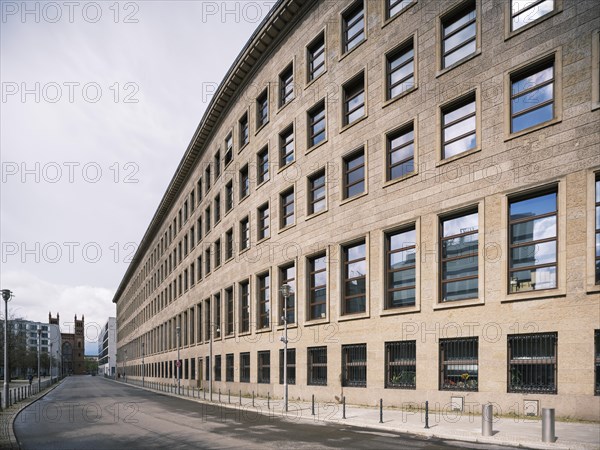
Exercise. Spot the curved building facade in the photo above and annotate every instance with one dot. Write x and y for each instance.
(424, 176)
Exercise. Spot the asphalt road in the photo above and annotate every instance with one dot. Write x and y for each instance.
(87, 412)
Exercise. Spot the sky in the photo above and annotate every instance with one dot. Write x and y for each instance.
(99, 103)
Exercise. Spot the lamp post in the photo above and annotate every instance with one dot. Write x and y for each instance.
(6, 296)
(125, 367)
(178, 365)
(39, 352)
(143, 366)
(286, 291)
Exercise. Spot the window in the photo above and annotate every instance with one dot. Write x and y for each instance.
(400, 76)
(245, 367)
(262, 109)
(244, 306)
(286, 146)
(262, 166)
(185, 280)
(207, 177)
(207, 261)
(287, 208)
(401, 268)
(217, 367)
(263, 222)
(207, 220)
(199, 229)
(192, 237)
(286, 85)
(192, 200)
(199, 189)
(597, 226)
(244, 132)
(355, 278)
(597, 361)
(317, 366)
(459, 34)
(229, 367)
(228, 196)
(524, 12)
(316, 124)
(244, 182)
(229, 244)
(199, 267)
(393, 7)
(459, 243)
(192, 275)
(459, 121)
(354, 365)
(291, 366)
(316, 57)
(532, 96)
(228, 157)
(185, 211)
(459, 364)
(264, 301)
(317, 193)
(400, 152)
(354, 174)
(354, 99)
(229, 312)
(287, 275)
(401, 364)
(217, 208)
(317, 286)
(244, 233)
(532, 363)
(207, 371)
(217, 163)
(533, 242)
(217, 253)
(264, 367)
(353, 27)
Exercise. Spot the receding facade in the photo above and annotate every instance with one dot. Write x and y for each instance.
(107, 348)
(425, 175)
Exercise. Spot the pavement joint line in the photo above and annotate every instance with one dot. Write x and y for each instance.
(502, 441)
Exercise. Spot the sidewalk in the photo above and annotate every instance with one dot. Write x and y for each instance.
(456, 426)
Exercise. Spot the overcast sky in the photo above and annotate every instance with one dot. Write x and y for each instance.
(99, 102)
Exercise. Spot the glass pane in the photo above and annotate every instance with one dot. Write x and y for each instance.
(452, 26)
(598, 191)
(317, 311)
(460, 37)
(404, 239)
(404, 86)
(356, 114)
(533, 206)
(527, 280)
(402, 169)
(318, 126)
(460, 146)
(459, 128)
(532, 80)
(403, 139)
(597, 244)
(534, 230)
(462, 246)
(402, 72)
(457, 113)
(355, 101)
(356, 269)
(533, 98)
(318, 138)
(319, 279)
(533, 255)
(533, 118)
(460, 290)
(355, 305)
(597, 217)
(355, 175)
(403, 259)
(399, 6)
(461, 53)
(402, 298)
(398, 60)
(319, 206)
(319, 263)
(459, 225)
(460, 268)
(522, 19)
(401, 279)
(358, 251)
(356, 189)
(352, 163)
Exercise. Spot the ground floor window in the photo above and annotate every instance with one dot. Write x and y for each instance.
(229, 367)
(264, 367)
(597, 361)
(354, 365)
(459, 365)
(317, 366)
(244, 367)
(291, 366)
(401, 364)
(532, 363)
(217, 367)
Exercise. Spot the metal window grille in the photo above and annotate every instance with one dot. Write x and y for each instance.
(317, 286)
(316, 57)
(287, 208)
(262, 165)
(459, 364)
(286, 85)
(316, 123)
(244, 367)
(354, 365)
(401, 364)
(264, 367)
(264, 300)
(317, 366)
(229, 369)
(291, 363)
(286, 146)
(459, 34)
(354, 100)
(217, 367)
(354, 174)
(317, 192)
(532, 365)
(353, 32)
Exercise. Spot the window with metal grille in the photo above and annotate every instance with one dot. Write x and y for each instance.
(244, 182)
(401, 364)
(316, 124)
(291, 366)
(393, 7)
(287, 275)
(316, 57)
(264, 367)
(229, 196)
(245, 367)
(354, 99)
(217, 367)
(317, 200)
(228, 157)
(354, 174)
(230, 312)
(459, 242)
(459, 364)
(400, 152)
(459, 34)
(597, 258)
(244, 233)
(317, 286)
(459, 132)
(354, 365)
(264, 222)
(229, 369)
(286, 200)
(533, 242)
(243, 129)
(532, 365)
(353, 26)
(262, 165)
(286, 146)
(217, 164)
(286, 85)
(217, 204)
(264, 300)
(524, 12)
(532, 96)
(229, 244)
(597, 362)
(317, 366)
(400, 70)
(244, 306)
(262, 109)
(355, 278)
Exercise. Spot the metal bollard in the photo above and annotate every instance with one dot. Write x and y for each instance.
(268, 401)
(253, 399)
(548, 432)
(487, 420)
(312, 409)
(426, 414)
(204, 394)
(344, 407)
(228, 395)
(380, 410)
(219, 395)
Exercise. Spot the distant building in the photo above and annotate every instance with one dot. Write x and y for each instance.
(107, 348)
(72, 359)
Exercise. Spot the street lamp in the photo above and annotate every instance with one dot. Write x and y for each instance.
(143, 367)
(39, 352)
(178, 365)
(6, 296)
(286, 291)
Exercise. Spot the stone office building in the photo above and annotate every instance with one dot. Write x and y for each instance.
(424, 175)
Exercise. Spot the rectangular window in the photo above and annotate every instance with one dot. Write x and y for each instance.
(400, 66)
(459, 127)
(459, 35)
(287, 275)
(192, 200)
(354, 99)
(287, 208)
(532, 96)
(228, 157)
(459, 364)
(355, 278)
(244, 182)
(199, 228)
(400, 159)
(244, 307)
(245, 367)
(263, 222)
(199, 267)
(354, 365)
(533, 242)
(217, 253)
(286, 85)
(192, 237)
(262, 166)
(353, 27)
(532, 363)
(264, 367)
(524, 12)
(229, 244)
(264, 301)
(207, 261)
(316, 57)
(286, 146)
(228, 196)
(354, 174)
(291, 366)
(597, 361)
(401, 364)
(597, 258)
(244, 132)
(229, 369)
(401, 268)
(199, 189)
(262, 109)
(185, 211)
(185, 280)
(316, 124)
(393, 7)
(192, 275)
(317, 366)
(207, 220)
(230, 312)
(217, 163)
(207, 177)
(217, 367)
(217, 208)
(317, 286)
(459, 243)
(317, 200)
(244, 233)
